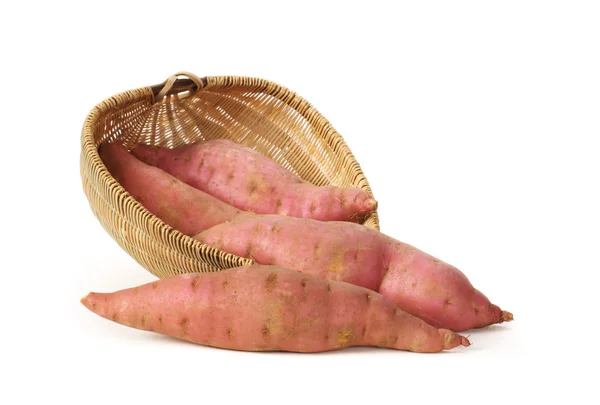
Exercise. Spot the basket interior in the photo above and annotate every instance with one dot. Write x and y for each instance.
(285, 130)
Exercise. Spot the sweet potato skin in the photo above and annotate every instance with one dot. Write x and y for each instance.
(436, 291)
(179, 205)
(252, 182)
(310, 246)
(417, 282)
(266, 308)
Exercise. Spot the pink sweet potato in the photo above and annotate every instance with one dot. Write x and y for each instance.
(265, 308)
(185, 208)
(252, 182)
(418, 283)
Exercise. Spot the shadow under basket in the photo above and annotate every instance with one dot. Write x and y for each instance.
(186, 109)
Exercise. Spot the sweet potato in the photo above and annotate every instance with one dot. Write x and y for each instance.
(252, 182)
(265, 308)
(184, 207)
(418, 283)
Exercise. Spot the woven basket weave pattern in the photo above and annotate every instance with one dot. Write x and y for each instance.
(253, 112)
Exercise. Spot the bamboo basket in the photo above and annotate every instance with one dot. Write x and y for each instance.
(186, 109)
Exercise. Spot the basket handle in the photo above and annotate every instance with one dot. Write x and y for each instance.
(175, 84)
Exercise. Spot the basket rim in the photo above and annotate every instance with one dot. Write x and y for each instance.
(176, 241)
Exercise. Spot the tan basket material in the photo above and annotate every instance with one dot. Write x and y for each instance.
(186, 109)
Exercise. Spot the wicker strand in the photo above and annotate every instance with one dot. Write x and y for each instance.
(168, 85)
(171, 80)
(197, 81)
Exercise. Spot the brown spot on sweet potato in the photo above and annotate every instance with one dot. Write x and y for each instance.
(183, 324)
(115, 317)
(187, 158)
(143, 321)
(304, 289)
(249, 251)
(229, 334)
(417, 345)
(275, 228)
(266, 332)
(279, 203)
(313, 208)
(344, 336)
(476, 310)
(430, 288)
(154, 285)
(94, 305)
(317, 247)
(225, 284)
(336, 262)
(435, 261)
(195, 283)
(329, 287)
(176, 158)
(356, 254)
(252, 187)
(364, 331)
(231, 176)
(273, 316)
(169, 215)
(414, 285)
(160, 319)
(271, 280)
(211, 173)
(447, 302)
(311, 320)
(448, 338)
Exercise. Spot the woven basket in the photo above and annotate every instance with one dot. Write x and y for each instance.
(186, 109)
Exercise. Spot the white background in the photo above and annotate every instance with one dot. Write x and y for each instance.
(475, 122)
